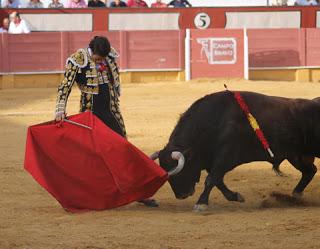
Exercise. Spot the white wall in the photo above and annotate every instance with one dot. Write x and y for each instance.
(195, 3)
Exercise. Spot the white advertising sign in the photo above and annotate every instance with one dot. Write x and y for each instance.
(218, 50)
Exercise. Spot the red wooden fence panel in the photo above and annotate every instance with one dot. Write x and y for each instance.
(217, 53)
(2, 59)
(81, 39)
(187, 15)
(47, 51)
(276, 47)
(36, 52)
(312, 47)
(153, 50)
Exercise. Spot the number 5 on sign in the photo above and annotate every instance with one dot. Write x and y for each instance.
(202, 20)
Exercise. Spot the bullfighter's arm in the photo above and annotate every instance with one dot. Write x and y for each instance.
(115, 70)
(65, 86)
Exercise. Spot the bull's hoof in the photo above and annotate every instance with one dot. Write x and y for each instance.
(297, 195)
(240, 198)
(200, 207)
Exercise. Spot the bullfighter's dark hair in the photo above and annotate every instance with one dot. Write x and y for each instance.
(100, 45)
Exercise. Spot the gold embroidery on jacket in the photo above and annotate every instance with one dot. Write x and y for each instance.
(115, 110)
(79, 59)
(65, 86)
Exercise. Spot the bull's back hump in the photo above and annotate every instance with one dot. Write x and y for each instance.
(224, 103)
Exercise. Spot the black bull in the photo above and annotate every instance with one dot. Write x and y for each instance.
(215, 135)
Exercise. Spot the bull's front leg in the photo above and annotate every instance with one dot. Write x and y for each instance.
(305, 165)
(210, 182)
(203, 202)
(228, 194)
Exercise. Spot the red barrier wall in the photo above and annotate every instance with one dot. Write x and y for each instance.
(154, 50)
(27, 53)
(217, 53)
(157, 49)
(284, 47)
(313, 47)
(187, 15)
(277, 47)
(47, 51)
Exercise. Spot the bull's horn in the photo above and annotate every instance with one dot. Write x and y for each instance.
(154, 156)
(176, 155)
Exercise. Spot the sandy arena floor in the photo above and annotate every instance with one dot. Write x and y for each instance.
(31, 218)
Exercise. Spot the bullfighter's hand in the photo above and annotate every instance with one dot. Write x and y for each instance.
(60, 116)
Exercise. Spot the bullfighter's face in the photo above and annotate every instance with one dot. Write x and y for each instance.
(183, 183)
(97, 58)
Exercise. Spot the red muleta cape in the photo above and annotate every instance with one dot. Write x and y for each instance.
(89, 169)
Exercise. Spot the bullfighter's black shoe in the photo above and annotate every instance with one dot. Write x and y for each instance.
(149, 202)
